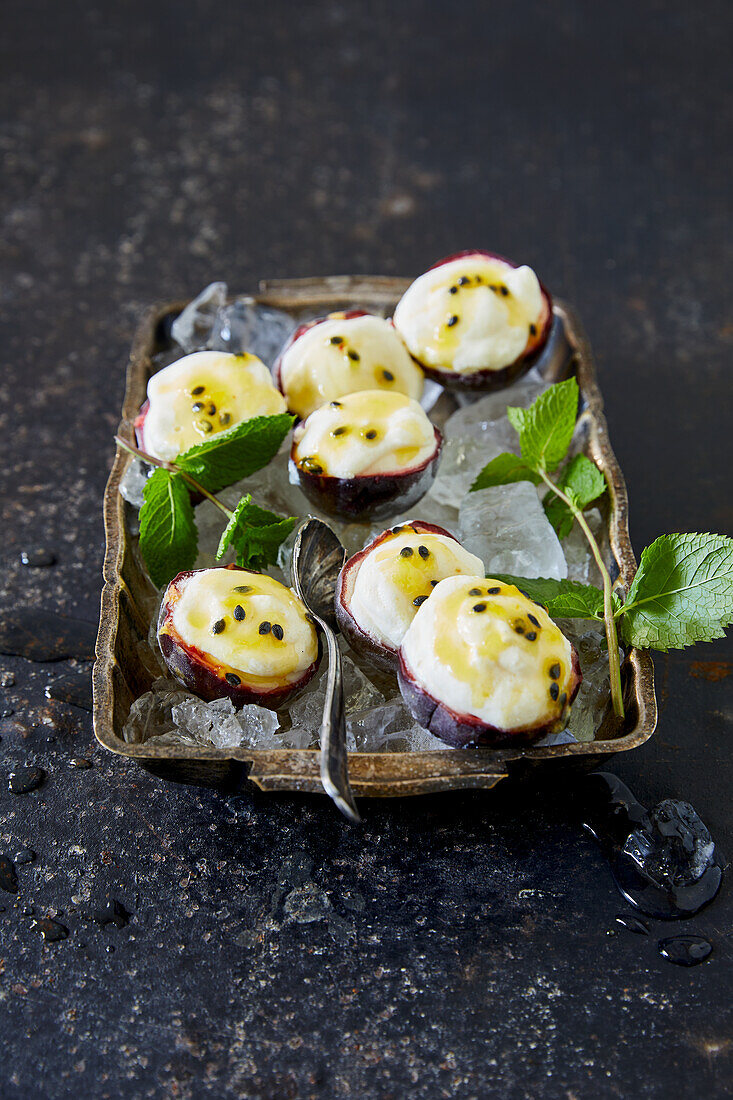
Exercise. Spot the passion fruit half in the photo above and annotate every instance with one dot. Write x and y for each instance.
(367, 455)
(228, 632)
(475, 320)
(343, 353)
(380, 589)
(481, 664)
(200, 395)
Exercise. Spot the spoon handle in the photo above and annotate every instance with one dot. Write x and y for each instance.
(334, 758)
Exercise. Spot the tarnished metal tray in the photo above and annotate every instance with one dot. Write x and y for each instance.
(124, 668)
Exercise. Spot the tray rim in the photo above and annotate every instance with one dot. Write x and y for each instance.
(297, 769)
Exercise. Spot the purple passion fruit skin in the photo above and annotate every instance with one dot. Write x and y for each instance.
(373, 649)
(485, 379)
(344, 353)
(367, 422)
(459, 727)
(210, 678)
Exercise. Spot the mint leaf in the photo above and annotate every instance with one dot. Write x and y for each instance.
(237, 453)
(546, 427)
(168, 538)
(504, 470)
(583, 482)
(682, 592)
(562, 599)
(255, 534)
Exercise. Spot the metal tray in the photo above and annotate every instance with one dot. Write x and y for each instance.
(124, 668)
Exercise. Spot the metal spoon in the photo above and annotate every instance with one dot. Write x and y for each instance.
(317, 558)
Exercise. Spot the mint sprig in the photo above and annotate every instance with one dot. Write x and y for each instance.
(561, 599)
(683, 589)
(237, 453)
(168, 537)
(255, 534)
(682, 592)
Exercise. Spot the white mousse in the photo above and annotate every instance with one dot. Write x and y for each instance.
(398, 576)
(221, 612)
(480, 654)
(202, 394)
(473, 313)
(365, 433)
(343, 355)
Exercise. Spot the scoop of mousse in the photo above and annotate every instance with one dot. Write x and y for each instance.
(229, 632)
(202, 394)
(475, 320)
(481, 664)
(341, 354)
(365, 455)
(380, 588)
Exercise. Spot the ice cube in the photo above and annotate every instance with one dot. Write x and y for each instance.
(507, 528)
(246, 326)
(591, 701)
(133, 482)
(150, 715)
(193, 327)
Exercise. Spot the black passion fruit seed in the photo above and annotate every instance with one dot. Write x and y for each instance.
(474, 591)
(197, 406)
(493, 591)
(387, 376)
(533, 330)
(265, 627)
(218, 626)
(531, 636)
(534, 621)
(339, 431)
(239, 613)
(419, 600)
(337, 339)
(371, 434)
(555, 672)
(479, 607)
(554, 692)
(233, 679)
(278, 631)
(423, 552)
(197, 390)
(406, 552)
(452, 320)
(243, 588)
(353, 355)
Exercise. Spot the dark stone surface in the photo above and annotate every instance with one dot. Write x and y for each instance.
(456, 945)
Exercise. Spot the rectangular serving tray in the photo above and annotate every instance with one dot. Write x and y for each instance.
(125, 668)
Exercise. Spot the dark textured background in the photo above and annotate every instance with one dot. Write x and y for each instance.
(456, 945)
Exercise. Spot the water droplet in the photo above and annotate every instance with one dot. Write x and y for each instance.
(80, 762)
(24, 780)
(113, 912)
(685, 950)
(632, 924)
(51, 930)
(8, 877)
(75, 688)
(38, 556)
(25, 855)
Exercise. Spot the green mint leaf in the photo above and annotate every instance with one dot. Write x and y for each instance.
(546, 427)
(168, 537)
(583, 482)
(236, 453)
(682, 592)
(255, 534)
(504, 470)
(562, 599)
